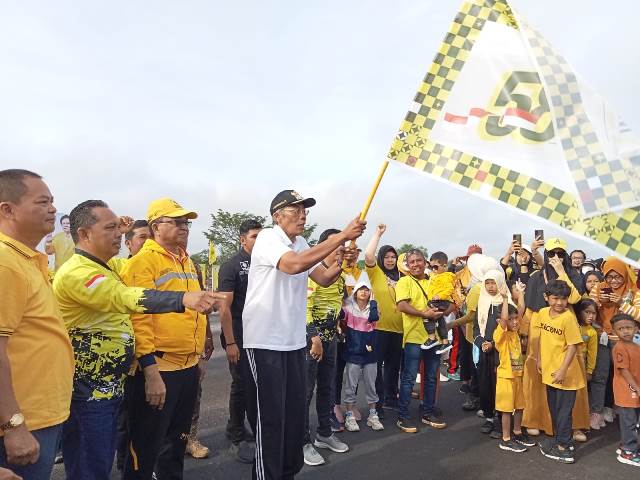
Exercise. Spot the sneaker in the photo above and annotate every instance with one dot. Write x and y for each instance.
(523, 439)
(244, 451)
(594, 421)
(58, 460)
(465, 388)
(333, 443)
(480, 413)
(579, 436)
(553, 452)
(602, 422)
(443, 378)
(444, 349)
(471, 403)
(607, 414)
(196, 449)
(434, 421)
(406, 425)
(374, 422)
(534, 432)
(311, 455)
(429, 344)
(487, 427)
(630, 458)
(336, 426)
(455, 376)
(512, 446)
(350, 424)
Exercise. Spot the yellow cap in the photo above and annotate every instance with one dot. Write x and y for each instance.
(555, 243)
(165, 207)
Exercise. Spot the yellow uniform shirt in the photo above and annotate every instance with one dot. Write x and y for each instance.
(472, 306)
(413, 327)
(556, 333)
(64, 248)
(324, 305)
(384, 292)
(589, 347)
(38, 346)
(507, 343)
(96, 307)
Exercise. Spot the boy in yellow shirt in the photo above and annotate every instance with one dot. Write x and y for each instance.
(440, 290)
(559, 340)
(509, 392)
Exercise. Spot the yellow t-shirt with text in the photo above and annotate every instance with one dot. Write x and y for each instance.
(510, 350)
(556, 333)
(413, 327)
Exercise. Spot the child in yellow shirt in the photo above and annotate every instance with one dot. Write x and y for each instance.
(560, 339)
(586, 311)
(440, 290)
(509, 392)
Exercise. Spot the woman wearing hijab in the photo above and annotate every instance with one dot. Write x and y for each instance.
(384, 274)
(478, 265)
(486, 321)
(556, 266)
(616, 293)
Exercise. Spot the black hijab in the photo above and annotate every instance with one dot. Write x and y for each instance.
(394, 273)
(534, 294)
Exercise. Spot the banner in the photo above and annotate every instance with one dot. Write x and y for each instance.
(501, 114)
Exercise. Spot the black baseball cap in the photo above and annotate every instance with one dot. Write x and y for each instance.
(290, 197)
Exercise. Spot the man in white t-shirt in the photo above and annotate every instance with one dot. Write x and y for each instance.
(274, 331)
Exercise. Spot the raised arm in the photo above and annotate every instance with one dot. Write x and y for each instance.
(372, 246)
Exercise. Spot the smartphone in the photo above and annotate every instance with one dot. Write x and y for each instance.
(606, 290)
(539, 234)
(517, 238)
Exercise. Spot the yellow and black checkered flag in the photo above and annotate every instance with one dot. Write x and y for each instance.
(501, 114)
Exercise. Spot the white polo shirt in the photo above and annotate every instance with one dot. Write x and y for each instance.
(275, 311)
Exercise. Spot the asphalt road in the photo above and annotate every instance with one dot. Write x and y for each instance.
(460, 451)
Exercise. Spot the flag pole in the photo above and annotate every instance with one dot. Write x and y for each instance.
(365, 210)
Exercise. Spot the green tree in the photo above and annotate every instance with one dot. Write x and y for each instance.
(200, 257)
(405, 247)
(224, 231)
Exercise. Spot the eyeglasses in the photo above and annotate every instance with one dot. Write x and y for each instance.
(613, 277)
(436, 267)
(178, 222)
(557, 253)
(298, 212)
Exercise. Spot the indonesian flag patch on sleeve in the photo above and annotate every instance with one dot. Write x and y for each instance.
(94, 281)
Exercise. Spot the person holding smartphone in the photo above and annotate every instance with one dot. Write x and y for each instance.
(616, 294)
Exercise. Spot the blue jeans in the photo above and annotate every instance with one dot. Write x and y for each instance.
(89, 439)
(49, 439)
(411, 363)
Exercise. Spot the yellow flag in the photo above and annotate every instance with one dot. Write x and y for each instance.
(212, 253)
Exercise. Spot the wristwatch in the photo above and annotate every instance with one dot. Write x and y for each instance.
(15, 421)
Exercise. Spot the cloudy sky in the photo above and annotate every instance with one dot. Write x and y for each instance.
(223, 104)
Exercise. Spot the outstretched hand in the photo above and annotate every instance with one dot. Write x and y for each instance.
(355, 228)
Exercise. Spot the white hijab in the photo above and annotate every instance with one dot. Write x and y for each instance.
(486, 300)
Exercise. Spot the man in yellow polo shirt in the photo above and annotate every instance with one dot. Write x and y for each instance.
(167, 348)
(36, 360)
(412, 302)
(61, 244)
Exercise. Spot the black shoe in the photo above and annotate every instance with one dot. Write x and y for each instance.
(406, 425)
(523, 439)
(512, 446)
(243, 451)
(465, 388)
(429, 344)
(471, 404)
(433, 420)
(487, 427)
(555, 453)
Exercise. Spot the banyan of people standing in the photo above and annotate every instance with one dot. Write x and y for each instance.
(556, 266)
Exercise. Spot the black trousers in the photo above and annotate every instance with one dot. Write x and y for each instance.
(561, 407)
(237, 399)
(122, 439)
(439, 325)
(158, 438)
(340, 366)
(487, 382)
(389, 359)
(320, 378)
(276, 410)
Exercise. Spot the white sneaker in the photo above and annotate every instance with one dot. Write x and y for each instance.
(607, 414)
(350, 424)
(374, 422)
(333, 443)
(443, 378)
(311, 455)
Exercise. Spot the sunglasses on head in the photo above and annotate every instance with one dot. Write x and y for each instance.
(557, 253)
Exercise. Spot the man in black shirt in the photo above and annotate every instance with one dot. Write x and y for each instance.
(232, 280)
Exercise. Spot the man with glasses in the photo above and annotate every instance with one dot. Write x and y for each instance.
(167, 348)
(274, 330)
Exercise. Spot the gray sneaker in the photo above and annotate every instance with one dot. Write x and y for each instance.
(243, 451)
(311, 455)
(332, 443)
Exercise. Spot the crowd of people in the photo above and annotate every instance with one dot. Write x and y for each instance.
(544, 344)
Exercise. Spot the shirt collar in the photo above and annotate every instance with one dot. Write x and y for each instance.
(19, 247)
(281, 234)
(92, 258)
